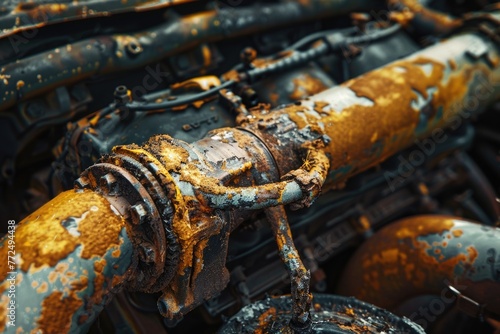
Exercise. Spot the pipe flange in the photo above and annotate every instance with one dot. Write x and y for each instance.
(128, 195)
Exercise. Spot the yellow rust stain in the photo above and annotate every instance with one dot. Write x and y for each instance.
(350, 312)
(199, 83)
(457, 233)
(99, 280)
(319, 107)
(57, 312)
(473, 253)
(198, 258)
(167, 157)
(391, 91)
(441, 22)
(99, 230)
(116, 253)
(171, 157)
(400, 255)
(43, 288)
(20, 84)
(306, 85)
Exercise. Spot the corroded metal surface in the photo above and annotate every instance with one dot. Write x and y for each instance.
(17, 16)
(299, 275)
(425, 255)
(416, 14)
(182, 200)
(330, 314)
(64, 281)
(119, 52)
(371, 117)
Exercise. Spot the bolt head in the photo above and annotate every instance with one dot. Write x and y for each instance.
(81, 183)
(138, 214)
(108, 184)
(147, 253)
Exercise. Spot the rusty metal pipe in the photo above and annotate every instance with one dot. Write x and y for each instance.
(369, 118)
(299, 275)
(422, 19)
(23, 17)
(62, 264)
(166, 184)
(120, 52)
(424, 255)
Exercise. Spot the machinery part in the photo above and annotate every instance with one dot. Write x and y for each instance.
(422, 18)
(330, 314)
(299, 275)
(26, 16)
(428, 254)
(106, 54)
(181, 201)
(63, 282)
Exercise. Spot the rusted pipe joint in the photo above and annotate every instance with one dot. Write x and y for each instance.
(311, 176)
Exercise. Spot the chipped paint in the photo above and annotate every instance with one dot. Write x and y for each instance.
(421, 255)
(68, 275)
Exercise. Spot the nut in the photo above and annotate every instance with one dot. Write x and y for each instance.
(139, 214)
(108, 184)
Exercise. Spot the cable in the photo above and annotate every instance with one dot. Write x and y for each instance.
(296, 59)
(145, 106)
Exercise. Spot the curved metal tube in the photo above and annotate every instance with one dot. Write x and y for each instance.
(424, 255)
(62, 263)
(421, 18)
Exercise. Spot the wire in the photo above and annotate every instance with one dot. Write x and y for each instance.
(296, 59)
(318, 36)
(145, 106)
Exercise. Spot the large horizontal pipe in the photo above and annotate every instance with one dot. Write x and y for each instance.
(425, 255)
(29, 17)
(60, 266)
(179, 192)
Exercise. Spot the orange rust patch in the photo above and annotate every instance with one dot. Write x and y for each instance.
(391, 89)
(80, 284)
(99, 230)
(43, 288)
(319, 107)
(473, 253)
(172, 157)
(198, 258)
(57, 312)
(457, 233)
(264, 319)
(306, 85)
(350, 312)
(20, 84)
(116, 252)
(423, 267)
(440, 22)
